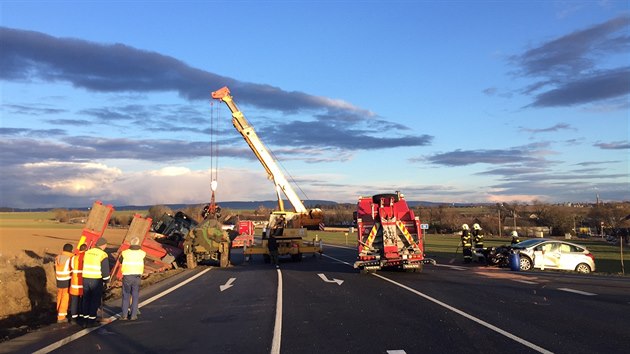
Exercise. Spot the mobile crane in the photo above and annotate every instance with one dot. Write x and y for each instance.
(294, 222)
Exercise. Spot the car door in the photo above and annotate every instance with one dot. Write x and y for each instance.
(547, 255)
(569, 257)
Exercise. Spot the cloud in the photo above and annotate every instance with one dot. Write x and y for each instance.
(117, 68)
(33, 110)
(568, 67)
(591, 163)
(75, 184)
(31, 133)
(616, 145)
(30, 56)
(324, 134)
(602, 85)
(555, 128)
(529, 154)
(576, 52)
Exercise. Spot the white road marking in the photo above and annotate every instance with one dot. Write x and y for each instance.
(525, 281)
(338, 246)
(577, 291)
(450, 266)
(277, 328)
(468, 316)
(227, 285)
(58, 344)
(397, 351)
(335, 259)
(324, 278)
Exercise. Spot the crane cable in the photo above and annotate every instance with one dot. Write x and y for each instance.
(214, 146)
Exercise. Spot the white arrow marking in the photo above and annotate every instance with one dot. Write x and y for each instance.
(321, 275)
(228, 284)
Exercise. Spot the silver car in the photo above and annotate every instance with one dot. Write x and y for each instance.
(541, 253)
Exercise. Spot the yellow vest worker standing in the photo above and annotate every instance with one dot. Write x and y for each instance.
(132, 269)
(76, 283)
(63, 275)
(95, 274)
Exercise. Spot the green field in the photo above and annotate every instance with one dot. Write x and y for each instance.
(43, 215)
(443, 247)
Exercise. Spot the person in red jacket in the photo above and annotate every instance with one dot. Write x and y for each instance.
(63, 274)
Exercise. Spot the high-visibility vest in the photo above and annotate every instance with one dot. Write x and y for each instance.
(92, 263)
(62, 268)
(133, 262)
(76, 282)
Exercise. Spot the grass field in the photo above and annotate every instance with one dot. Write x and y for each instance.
(443, 247)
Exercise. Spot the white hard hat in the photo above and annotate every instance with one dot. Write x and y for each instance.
(476, 226)
(514, 233)
(465, 226)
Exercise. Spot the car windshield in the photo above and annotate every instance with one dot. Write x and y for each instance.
(528, 243)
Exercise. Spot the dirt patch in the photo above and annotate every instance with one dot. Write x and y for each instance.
(27, 278)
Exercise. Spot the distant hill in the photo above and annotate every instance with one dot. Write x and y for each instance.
(235, 205)
(244, 205)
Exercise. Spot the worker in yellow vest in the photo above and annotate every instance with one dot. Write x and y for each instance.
(76, 283)
(63, 275)
(95, 274)
(132, 269)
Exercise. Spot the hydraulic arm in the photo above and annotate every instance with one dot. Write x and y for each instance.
(262, 153)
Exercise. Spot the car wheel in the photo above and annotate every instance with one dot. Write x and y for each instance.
(525, 263)
(583, 268)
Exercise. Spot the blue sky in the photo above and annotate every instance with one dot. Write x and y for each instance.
(450, 101)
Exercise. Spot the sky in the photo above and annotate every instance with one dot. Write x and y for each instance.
(445, 101)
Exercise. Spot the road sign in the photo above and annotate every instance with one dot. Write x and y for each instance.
(424, 226)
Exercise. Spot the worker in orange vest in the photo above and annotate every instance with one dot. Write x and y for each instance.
(132, 270)
(76, 283)
(95, 274)
(63, 275)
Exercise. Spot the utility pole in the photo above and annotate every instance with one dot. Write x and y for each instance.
(514, 217)
(500, 233)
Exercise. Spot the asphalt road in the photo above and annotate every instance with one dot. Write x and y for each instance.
(325, 306)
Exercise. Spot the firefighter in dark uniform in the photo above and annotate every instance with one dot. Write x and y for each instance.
(466, 244)
(477, 236)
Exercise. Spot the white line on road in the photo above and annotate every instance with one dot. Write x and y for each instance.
(335, 259)
(451, 266)
(398, 351)
(525, 281)
(277, 328)
(58, 344)
(470, 317)
(577, 291)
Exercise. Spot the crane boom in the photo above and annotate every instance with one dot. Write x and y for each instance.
(262, 153)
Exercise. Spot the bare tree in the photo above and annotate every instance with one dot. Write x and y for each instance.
(156, 211)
